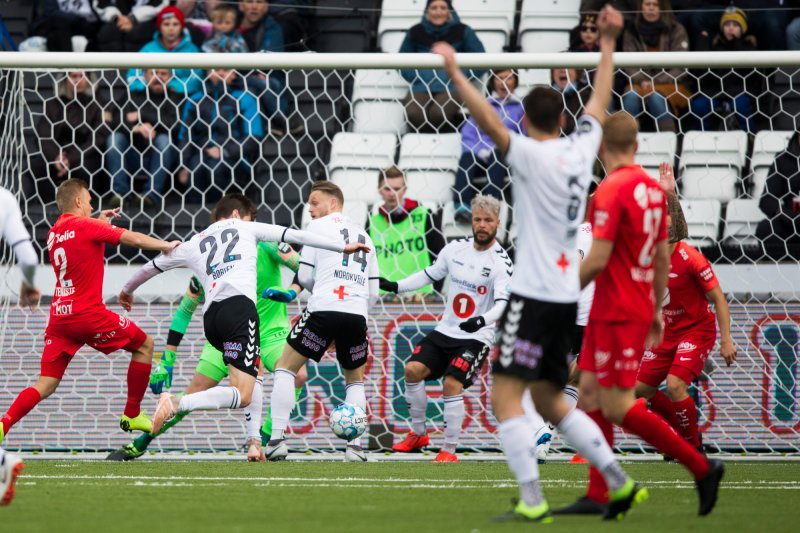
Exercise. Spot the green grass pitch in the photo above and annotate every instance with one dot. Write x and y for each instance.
(232, 496)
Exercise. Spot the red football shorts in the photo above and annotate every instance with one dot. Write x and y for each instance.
(683, 356)
(613, 350)
(103, 330)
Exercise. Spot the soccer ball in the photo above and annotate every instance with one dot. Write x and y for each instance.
(348, 421)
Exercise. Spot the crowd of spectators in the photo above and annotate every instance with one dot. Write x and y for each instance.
(224, 114)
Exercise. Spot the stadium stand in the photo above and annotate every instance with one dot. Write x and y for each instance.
(712, 163)
(377, 107)
(656, 148)
(545, 26)
(355, 161)
(429, 162)
(766, 146)
(703, 220)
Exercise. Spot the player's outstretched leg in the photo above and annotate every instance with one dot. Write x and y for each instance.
(27, 400)
(133, 419)
(10, 466)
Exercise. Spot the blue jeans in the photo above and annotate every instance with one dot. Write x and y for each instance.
(655, 103)
(704, 107)
(793, 34)
(125, 161)
(272, 93)
(468, 167)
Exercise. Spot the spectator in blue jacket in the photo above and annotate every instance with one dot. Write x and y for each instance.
(225, 38)
(220, 137)
(479, 155)
(430, 105)
(262, 33)
(171, 37)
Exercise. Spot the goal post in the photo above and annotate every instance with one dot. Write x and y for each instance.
(350, 107)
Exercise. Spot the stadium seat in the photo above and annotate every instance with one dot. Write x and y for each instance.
(355, 161)
(430, 162)
(396, 18)
(711, 163)
(545, 26)
(741, 221)
(766, 146)
(784, 100)
(377, 106)
(654, 149)
(702, 219)
(529, 78)
(343, 26)
(356, 210)
(453, 229)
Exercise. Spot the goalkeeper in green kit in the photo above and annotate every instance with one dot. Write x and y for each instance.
(211, 369)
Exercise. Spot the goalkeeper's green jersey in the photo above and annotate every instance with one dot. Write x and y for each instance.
(273, 316)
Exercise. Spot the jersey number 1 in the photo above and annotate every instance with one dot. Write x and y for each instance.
(231, 236)
(360, 256)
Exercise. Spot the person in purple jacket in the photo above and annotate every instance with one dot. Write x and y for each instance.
(479, 156)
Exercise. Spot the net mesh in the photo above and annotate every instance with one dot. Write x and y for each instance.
(344, 125)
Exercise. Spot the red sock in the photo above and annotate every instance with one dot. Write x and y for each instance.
(138, 378)
(24, 402)
(597, 490)
(662, 405)
(686, 415)
(656, 432)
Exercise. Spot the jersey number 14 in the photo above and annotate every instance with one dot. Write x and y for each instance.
(360, 256)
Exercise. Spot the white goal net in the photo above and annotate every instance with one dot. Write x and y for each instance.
(279, 130)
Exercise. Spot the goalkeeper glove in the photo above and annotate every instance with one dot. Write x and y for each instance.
(473, 324)
(388, 286)
(161, 376)
(279, 294)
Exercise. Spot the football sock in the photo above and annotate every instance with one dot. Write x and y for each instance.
(516, 438)
(138, 379)
(143, 441)
(536, 420)
(584, 435)
(417, 400)
(266, 428)
(24, 402)
(686, 415)
(214, 398)
(453, 419)
(597, 490)
(571, 396)
(354, 394)
(656, 432)
(662, 405)
(252, 413)
(281, 401)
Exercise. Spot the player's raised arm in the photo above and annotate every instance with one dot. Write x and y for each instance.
(485, 116)
(177, 258)
(273, 232)
(610, 24)
(436, 272)
(145, 242)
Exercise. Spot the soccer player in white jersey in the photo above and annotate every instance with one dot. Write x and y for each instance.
(16, 236)
(551, 177)
(344, 288)
(224, 259)
(480, 271)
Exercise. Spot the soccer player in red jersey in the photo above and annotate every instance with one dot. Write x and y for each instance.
(629, 262)
(78, 316)
(690, 333)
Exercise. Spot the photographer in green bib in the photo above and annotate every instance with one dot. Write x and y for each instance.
(407, 235)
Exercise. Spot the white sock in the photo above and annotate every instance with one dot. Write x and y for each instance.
(516, 438)
(536, 420)
(417, 400)
(281, 401)
(354, 394)
(252, 413)
(583, 434)
(453, 419)
(571, 395)
(213, 398)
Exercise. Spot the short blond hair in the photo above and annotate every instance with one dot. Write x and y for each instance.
(486, 203)
(619, 133)
(68, 191)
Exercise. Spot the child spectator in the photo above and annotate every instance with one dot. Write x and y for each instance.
(479, 155)
(172, 37)
(573, 91)
(220, 137)
(225, 37)
(721, 91)
(144, 140)
(127, 24)
(584, 37)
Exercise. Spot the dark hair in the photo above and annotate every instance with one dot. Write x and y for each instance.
(234, 202)
(67, 191)
(543, 107)
(493, 77)
(389, 173)
(329, 188)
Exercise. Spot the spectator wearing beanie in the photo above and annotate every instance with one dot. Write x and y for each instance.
(171, 37)
(127, 24)
(430, 106)
(722, 91)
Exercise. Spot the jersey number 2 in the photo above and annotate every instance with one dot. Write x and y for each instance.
(231, 236)
(360, 256)
(60, 261)
(651, 225)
